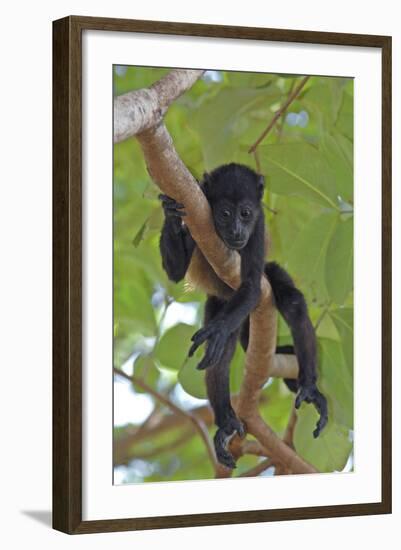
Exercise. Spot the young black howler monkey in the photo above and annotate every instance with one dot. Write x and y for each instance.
(234, 193)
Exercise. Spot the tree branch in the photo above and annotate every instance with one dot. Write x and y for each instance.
(173, 178)
(284, 366)
(288, 439)
(136, 111)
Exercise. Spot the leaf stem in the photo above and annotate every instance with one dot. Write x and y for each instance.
(279, 113)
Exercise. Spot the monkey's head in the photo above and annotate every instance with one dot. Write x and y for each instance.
(234, 193)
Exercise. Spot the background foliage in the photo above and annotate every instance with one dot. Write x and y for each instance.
(308, 163)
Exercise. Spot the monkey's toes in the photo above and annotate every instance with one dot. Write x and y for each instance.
(221, 442)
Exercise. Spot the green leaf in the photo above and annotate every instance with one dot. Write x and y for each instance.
(277, 409)
(343, 319)
(132, 304)
(146, 370)
(299, 169)
(324, 100)
(345, 119)
(192, 379)
(338, 154)
(250, 80)
(307, 256)
(172, 349)
(336, 381)
(339, 262)
(223, 119)
(330, 451)
(293, 213)
(124, 341)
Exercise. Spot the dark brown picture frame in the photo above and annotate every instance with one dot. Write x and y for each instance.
(67, 274)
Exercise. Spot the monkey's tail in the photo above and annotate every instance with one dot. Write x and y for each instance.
(291, 383)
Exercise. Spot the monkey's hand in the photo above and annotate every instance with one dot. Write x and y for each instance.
(222, 440)
(173, 210)
(216, 334)
(310, 394)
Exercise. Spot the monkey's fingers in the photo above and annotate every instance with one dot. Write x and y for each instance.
(310, 394)
(210, 358)
(202, 334)
(192, 349)
(198, 338)
(197, 341)
(320, 403)
(165, 198)
(172, 211)
(217, 346)
(168, 202)
(202, 365)
(213, 355)
(304, 394)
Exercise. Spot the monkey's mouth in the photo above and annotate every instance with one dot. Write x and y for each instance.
(236, 245)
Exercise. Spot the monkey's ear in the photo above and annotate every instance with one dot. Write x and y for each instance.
(206, 183)
(261, 185)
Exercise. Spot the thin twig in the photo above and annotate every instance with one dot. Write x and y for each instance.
(269, 209)
(279, 113)
(165, 447)
(280, 129)
(197, 422)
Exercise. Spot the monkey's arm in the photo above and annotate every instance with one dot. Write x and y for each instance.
(246, 298)
(237, 309)
(176, 242)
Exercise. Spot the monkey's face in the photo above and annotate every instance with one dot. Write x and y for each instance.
(234, 222)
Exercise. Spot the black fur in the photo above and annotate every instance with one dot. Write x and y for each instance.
(234, 193)
(176, 243)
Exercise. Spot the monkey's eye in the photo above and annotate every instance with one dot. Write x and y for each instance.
(226, 213)
(245, 213)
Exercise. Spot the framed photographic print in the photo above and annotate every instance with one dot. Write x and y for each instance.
(222, 274)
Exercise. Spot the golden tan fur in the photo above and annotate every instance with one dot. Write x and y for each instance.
(201, 276)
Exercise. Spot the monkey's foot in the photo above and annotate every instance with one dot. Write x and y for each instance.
(310, 394)
(222, 440)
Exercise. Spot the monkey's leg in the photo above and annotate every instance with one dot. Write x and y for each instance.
(218, 390)
(291, 304)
